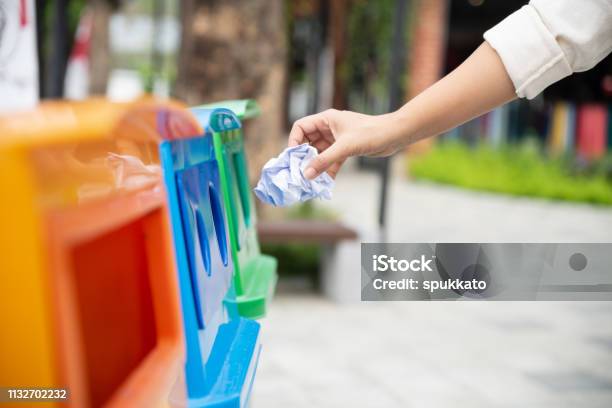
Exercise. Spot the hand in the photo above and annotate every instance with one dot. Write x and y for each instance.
(338, 135)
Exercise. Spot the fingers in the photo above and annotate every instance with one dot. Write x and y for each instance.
(317, 130)
(309, 129)
(335, 168)
(296, 136)
(321, 144)
(333, 155)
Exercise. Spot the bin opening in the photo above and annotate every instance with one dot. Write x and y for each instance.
(115, 304)
(242, 181)
(218, 222)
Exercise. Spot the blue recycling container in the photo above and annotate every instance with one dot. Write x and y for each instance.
(222, 348)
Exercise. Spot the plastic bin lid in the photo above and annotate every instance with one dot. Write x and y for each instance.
(243, 108)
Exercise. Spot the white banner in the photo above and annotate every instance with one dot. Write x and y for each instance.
(18, 58)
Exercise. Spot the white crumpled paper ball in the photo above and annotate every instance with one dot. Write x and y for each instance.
(283, 183)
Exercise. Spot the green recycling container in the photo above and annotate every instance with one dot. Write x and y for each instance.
(254, 273)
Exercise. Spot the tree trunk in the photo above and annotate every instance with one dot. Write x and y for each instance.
(99, 54)
(337, 32)
(236, 49)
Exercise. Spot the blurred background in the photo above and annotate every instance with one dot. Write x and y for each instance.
(531, 171)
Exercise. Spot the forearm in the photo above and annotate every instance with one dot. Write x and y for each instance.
(475, 87)
(478, 85)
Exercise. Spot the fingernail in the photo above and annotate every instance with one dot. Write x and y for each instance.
(310, 173)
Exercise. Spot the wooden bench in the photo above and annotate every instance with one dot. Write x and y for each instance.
(306, 231)
(329, 234)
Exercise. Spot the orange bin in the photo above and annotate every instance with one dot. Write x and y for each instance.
(89, 297)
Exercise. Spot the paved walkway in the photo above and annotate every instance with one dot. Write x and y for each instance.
(425, 212)
(414, 354)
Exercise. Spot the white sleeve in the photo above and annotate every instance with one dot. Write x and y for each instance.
(548, 40)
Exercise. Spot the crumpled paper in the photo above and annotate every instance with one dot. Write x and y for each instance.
(102, 176)
(131, 173)
(283, 183)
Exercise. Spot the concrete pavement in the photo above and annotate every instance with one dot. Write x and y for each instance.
(319, 353)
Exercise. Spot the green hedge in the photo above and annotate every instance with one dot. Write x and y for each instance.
(295, 259)
(521, 170)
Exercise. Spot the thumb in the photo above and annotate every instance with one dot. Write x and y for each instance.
(335, 153)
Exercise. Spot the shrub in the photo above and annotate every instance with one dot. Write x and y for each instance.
(521, 170)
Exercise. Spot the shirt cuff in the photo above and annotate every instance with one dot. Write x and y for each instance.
(531, 55)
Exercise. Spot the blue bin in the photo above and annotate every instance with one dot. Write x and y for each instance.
(222, 348)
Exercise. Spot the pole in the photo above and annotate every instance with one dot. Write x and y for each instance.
(59, 50)
(396, 98)
(40, 8)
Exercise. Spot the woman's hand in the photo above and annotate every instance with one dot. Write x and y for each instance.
(338, 135)
(475, 87)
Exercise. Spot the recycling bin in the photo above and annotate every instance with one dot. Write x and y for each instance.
(254, 273)
(89, 295)
(222, 348)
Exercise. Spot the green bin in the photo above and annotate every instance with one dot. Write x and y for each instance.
(254, 273)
